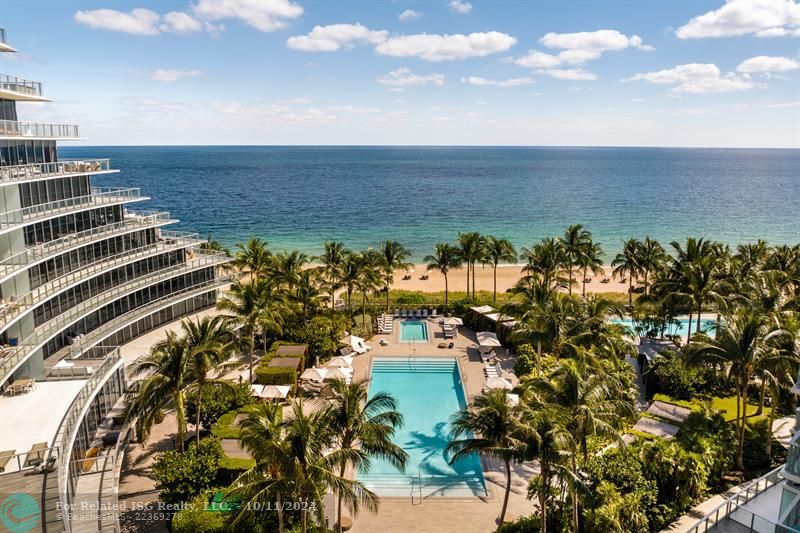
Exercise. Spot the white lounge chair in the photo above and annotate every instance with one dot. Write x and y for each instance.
(425, 313)
(397, 312)
(434, 312)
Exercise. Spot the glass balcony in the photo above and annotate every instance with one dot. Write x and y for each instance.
(17, 307)
(29, 90)
(14, 356)
(134, 221)
(101, 196)
(13, 128)
(40, 171)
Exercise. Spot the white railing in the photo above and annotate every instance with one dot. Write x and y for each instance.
(37, 171)
(15, 128)
(12, 311)
(46, 331)
(41, 252)
(71, 423)
(20, 85)
(98, 197)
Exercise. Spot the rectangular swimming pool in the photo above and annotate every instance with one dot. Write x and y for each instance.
(680, 328)
(428, 392)
(413, 331)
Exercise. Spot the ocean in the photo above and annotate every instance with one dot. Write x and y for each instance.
(298, 197)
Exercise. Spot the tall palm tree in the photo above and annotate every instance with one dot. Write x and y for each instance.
(351, 272)
(651, 257)
(369, 278)
(253, 257)
(626, 264)
(573, 244)
(307, 293)
(332, 260)
(364, 426)
(489, 428)
(471, 245)
(444, 258)
(532, 297)
(545, 259)
(286, 267)
(748, 343)
(211, 342)
(243, 305)
(394, 257)
(167, 372)
(590, 260)
(497, 251)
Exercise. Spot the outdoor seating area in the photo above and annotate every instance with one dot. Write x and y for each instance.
(450, 326)
(416, 313)
(487, 343)
(385, 324)
(21, 386)
(354, 345)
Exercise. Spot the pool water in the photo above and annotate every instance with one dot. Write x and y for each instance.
(428, 392)
(681, 328)
(413, 331)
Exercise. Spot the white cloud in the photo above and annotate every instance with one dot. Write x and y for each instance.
(354, 109)
(137, 22)
(760, 64)
(434, 47)
(763, 18)
(403, 77)
(409, 14)
(637, 99)
(265, 16)
(335, 36)
(510, 82)
(272, 114)
(577, 49)
(696, 78)
(459, 6)
(180, 22)
(574, 74)
(165, 74)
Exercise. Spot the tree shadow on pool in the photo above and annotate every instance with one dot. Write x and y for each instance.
(435, 460)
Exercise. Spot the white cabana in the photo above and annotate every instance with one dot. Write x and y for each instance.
(341, 361)
(339, 374)
(451, 321)
(483, 309)
(271, 392)
(314, 374)
(357, 344)
(488, 340)
(498, 383)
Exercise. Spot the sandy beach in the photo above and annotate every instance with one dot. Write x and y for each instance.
(507, 276)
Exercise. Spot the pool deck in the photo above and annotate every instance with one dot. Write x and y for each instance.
(442, 514)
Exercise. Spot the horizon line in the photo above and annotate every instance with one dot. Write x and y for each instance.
(565, 146)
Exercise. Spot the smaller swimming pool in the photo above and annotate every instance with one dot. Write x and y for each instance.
(680, 327)
(413, 331)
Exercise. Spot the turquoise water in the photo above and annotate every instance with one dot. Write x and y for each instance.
(428, 392)
(298, 197)
(413, 330)
(681, 328)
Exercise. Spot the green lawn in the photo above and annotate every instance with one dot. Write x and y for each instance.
(727, 405)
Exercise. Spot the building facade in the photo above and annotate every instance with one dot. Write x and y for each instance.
(82, 271)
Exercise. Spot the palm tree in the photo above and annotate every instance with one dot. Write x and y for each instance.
(747, 343)
(497, 251)
(214, 246)
(651, 258)
(573, 244)
(286, 267)
(590, 260)
(626, 264)
(168, 371)
(211, 342)
(489, 428)
(243, 305)
(332, 260)
(252, 257)
(263, 435)
(471, 245)
(369, 278)
(307, 292)
(445, 258)
(364, 426)
(351, 274)
(532, 296)
(544, 259)
(394, 257)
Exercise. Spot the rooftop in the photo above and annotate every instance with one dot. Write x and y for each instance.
(291, 349)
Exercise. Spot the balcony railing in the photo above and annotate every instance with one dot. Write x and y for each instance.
(12, 311)
(100, 196)
(38, 171)
(14, 128)
(71, 423)
(20, 85)
(16, 355)
(133, 221)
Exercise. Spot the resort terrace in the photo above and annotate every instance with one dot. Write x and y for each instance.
(15, 174)
(20, 89)
(14, 129)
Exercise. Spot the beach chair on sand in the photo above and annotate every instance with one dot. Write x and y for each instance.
(5, 457)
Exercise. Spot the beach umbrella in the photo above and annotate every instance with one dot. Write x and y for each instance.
(314, 374)
(275, 392)
(341, 361)
(452, 321)
(498, 383)
(257, 390)
(351, 340)
(336, 374)
(487, 339)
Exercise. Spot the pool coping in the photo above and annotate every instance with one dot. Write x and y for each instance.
(489, 490)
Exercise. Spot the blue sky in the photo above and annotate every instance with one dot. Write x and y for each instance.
(669, 73)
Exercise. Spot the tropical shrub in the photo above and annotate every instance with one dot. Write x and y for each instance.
(224, 428)
(680, 476)
(196, 518)
(321, 334)
(672, 375)
(182, 476)
(276, 375)
(713, 439)
(526, 360)
(524, 524)
(217, 400)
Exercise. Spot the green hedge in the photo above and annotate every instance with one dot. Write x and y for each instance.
(224, 428)
(234, 463)
(276, 375)
(197, 519)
